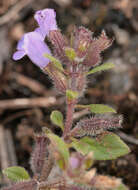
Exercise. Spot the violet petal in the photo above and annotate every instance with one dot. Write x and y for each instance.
(18, 55)
(33, 45)
(20, 45)
(41, 32)
(74, 162)
(46, 20)
(36, 48)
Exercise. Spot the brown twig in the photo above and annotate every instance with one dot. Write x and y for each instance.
(12, 14)
(11, 150)
(3, 148)
(6, 4)
(34, 85)
(63, 3)
(128, 138)
(30, 102)
(81, 113)
(16, 115)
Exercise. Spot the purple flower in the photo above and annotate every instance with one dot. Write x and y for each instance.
(46, 20)
(32, 44)
(74, 162)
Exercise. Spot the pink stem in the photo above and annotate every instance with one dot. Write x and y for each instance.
(69, 118)
(70, 104)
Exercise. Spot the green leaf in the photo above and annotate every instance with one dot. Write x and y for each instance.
(55, 61)
(57, 118)
(60, 146)
(16, 173)
(99, 108)
(70, 53)
(102, 67)
(109, 147)
(71, 95)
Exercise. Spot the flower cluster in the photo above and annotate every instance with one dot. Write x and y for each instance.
(77, 56)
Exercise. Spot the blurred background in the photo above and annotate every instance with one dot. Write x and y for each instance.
(27, 96)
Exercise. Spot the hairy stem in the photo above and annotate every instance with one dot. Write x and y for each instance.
(70, 104)
(69, 118)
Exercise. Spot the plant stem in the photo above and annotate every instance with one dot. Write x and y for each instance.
(69, 118)
(70, 104)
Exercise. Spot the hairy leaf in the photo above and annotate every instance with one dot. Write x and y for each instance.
(16, 173)
(60, 146)
(99, 108)
(109, 147)
(55, 61)
(57, 118)
(103, 67)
